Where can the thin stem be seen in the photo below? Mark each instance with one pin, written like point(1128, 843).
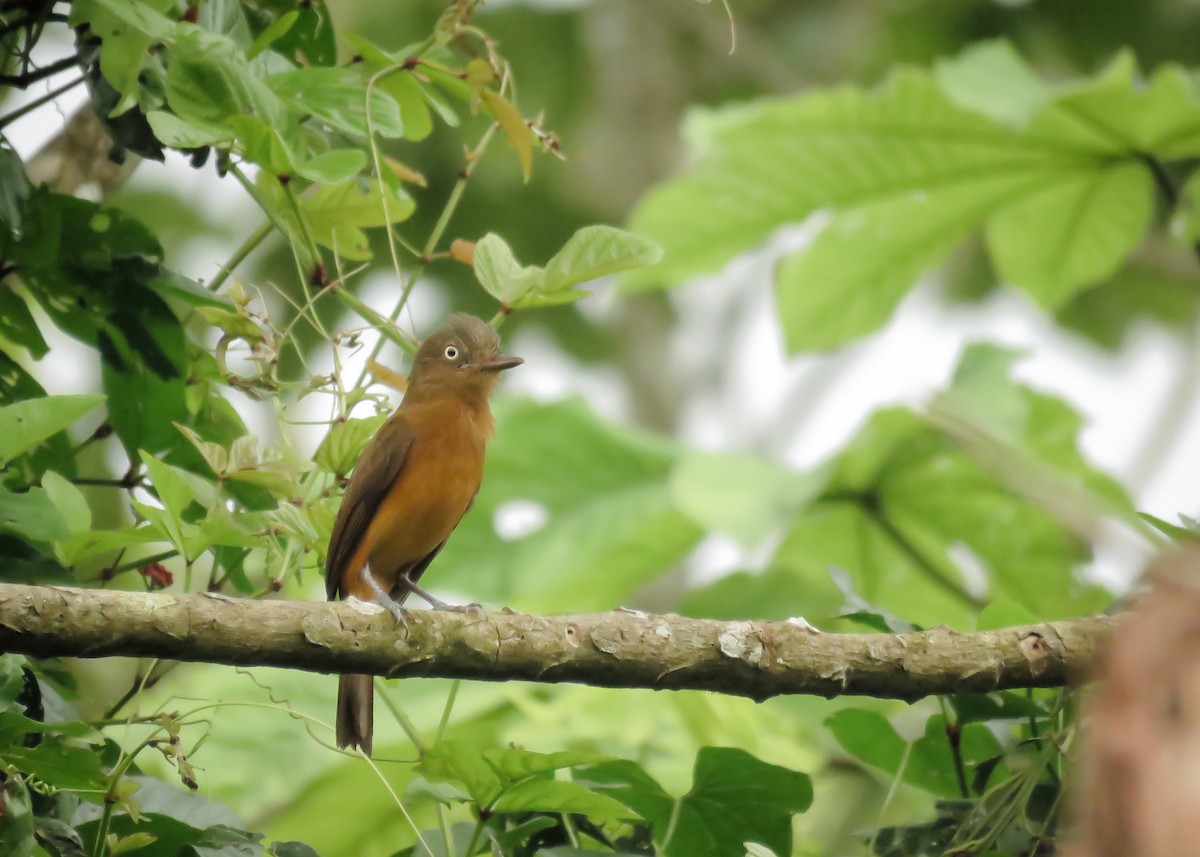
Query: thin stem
point(386, 327)
point(100, 846)
point(1165, 186)
point(101, 483)
point(444, 826)
point(439, 228)
point(456, 192)
point(13, 26)
point(141, 684)
point(255, 195)
point(453, 695)
point(310, 245)
point(239, 255)
point(954, 739)
point(8, 119)
point(407, 725)
point(924, 563)
point(138, 563)
point(475, 835)
point(24, 81)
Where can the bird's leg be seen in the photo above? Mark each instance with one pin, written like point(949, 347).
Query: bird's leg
point(381, 597)
point(410, 586)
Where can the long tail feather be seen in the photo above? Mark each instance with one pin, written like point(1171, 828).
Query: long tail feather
point(355, 711)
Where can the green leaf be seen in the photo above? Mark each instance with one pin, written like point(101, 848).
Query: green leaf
point(520, 834)
point(512, 125)
point(983, 390)
point(869, 737)
point(59, 764)
point(592, 252)
point(1036, 424)
point(1073, 232)
point(834, 292)
point(338, 97)
point(275, 31)
point(171, 836)
point(1117, 112)
point(177, 488)
point(209, 81)
point(14, 190)
point(23, 425)
point(984, 707)
point(397, 82)
point(69, 501)
point(514, 763)
point(173, 285)
point(501, 275)
point(17, 323)
point(143, 408)
point(262, 143)
point(337, 212)
point(743, 496)
point(992, 78)
point(141, 16)
point(414, 112)
point(1186, 535)
point(538, 795)
point(333, 166)
point(737, 798)
point(458, 761)
point(311, 39)
point(85, 546)
point(926, 763)
point(734, 798)
point(611, 523)
point(179, 133)
point(908, 171)
point(420, 789)
point(775, 593)
point(345, 442)
point(17, 823)
point(597, 251)
point(773, 163)
point(860, 610)
point(124, 46)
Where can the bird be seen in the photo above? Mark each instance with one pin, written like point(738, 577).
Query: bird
point(410, 488)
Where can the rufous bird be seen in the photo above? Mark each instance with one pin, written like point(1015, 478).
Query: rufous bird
point(410, 488)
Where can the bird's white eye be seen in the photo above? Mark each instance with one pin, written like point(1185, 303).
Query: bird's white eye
point(451, 352)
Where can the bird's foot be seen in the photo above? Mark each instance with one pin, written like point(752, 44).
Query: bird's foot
point(437, 603)
point(474, 608)
point(384, 600)
point(393, 607)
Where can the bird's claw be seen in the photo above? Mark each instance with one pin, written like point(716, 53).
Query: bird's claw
point(473, 608)
point(393, 607)
point(401, 619)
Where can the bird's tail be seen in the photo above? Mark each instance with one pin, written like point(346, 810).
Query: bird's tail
point(355, 711)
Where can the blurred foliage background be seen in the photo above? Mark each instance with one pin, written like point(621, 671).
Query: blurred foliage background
point(645, 451)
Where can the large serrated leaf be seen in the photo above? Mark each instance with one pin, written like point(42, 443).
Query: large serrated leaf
point(1073, 231)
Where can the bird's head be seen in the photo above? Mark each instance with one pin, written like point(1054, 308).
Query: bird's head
point(461, 358)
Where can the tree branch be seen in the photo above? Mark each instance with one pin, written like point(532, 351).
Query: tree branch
point(618, 649)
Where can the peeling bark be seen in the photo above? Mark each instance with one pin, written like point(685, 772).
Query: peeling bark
point(618, 649)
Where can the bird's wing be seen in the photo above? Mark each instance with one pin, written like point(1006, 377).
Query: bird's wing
point(377, 470)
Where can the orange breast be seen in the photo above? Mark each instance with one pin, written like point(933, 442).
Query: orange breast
point(440, 477)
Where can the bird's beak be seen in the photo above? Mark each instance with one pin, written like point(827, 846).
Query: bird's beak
point(499, 364)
